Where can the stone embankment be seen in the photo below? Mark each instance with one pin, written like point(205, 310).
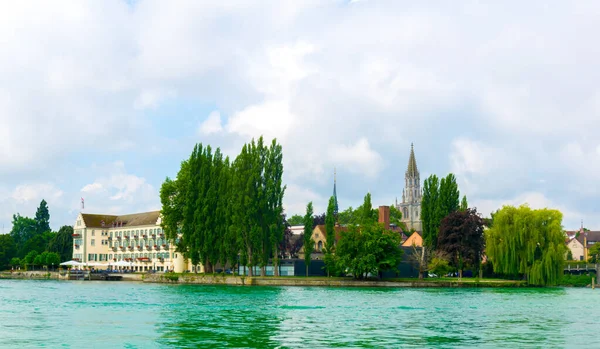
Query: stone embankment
point(27, 275)
point(201, 279)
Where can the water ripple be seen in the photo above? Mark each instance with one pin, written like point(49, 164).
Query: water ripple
point(136, 315)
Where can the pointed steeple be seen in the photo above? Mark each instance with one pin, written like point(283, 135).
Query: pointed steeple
point(335, 210)
point(412, 169)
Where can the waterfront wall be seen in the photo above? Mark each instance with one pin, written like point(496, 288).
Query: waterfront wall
point(26, 275)
point(201, 279)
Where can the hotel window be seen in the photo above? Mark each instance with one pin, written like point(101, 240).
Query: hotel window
point(93, 242)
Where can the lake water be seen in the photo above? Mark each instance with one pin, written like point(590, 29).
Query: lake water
point(91, 314)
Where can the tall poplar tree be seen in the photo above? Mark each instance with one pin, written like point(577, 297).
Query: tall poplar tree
point(330, 235)
point(463, 204)
point(275, 193)
point(309, 244)
point(429, 211)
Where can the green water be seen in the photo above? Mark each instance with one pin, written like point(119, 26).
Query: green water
point(134, 315)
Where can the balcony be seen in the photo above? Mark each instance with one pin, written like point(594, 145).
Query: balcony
point(118, 238)
point(76, 235)
point(143, 259)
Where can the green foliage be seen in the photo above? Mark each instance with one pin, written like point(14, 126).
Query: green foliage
point(440, 198)
point(52, 259)
point(8, 250)
point(296, 220)
point(527, 242)
point(15, 262)
point(223, 209)
point(42, 218)
point(396, 217)
point(463, 204)
point(23, 230)
point(62, 243)
point(30, 257)
point(368, 249)
point(348, 216)
point(449, 196)
point(569, 255)
point(461, 238)
point(439, 266)
point(330, 235)
point(593, 253)
point(429, 209)
point(309, 243)
point(367, 213)
point(575, 280)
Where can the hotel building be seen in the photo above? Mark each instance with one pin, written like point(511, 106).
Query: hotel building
point(137, 239)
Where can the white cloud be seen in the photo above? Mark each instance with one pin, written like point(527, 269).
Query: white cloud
point(36, 192)
point(92, 188)
point(212, 124)
point(272, 119)
point(357, 158)
point(119, 189)
point(474, 85)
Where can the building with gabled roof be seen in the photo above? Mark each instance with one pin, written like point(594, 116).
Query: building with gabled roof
point(101, 240)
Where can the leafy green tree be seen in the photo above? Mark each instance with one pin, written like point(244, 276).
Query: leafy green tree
point(8, 250)
point(593, 253)
point(366, 213)
point(569, 255)
point(429, 211)
point(330, 235)
point(527, 242)
point(275, 191)
point(449, 196)
point(396, 217)
point(461, 239)
point(30, 258)
point(42, 218)
point(23, 229)
point(348, 216)
point(15, 262)
point(463, 204)
point(218, 210)
point(309, 243)
point(52, 260)
point(368, 249)
point(62, 243)
point(296, 220)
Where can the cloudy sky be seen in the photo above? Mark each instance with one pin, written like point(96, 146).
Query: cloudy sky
point(103, 99)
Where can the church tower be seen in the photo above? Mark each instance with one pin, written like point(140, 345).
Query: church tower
point(411, 195)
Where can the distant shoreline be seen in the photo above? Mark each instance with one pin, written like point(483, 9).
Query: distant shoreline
point(202, 279)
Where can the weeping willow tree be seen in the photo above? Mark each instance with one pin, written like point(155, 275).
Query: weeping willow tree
point(527, 242)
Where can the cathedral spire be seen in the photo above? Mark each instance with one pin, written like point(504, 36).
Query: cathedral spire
point(412, 169)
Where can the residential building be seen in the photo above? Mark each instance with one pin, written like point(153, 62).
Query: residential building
point(414, 240)
point(137, 238)
point(576, 248)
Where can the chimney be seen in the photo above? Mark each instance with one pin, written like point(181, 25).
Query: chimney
point(384, 216)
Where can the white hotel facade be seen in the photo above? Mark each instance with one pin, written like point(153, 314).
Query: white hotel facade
point(134, 238)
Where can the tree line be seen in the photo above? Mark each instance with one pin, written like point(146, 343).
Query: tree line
point(31, 242)
point(519, 242)
point(365, 247)
point(225, 209)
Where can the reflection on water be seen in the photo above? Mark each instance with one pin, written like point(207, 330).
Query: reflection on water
point(101, 314)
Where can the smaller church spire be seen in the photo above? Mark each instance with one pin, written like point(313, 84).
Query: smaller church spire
point(335, 208)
